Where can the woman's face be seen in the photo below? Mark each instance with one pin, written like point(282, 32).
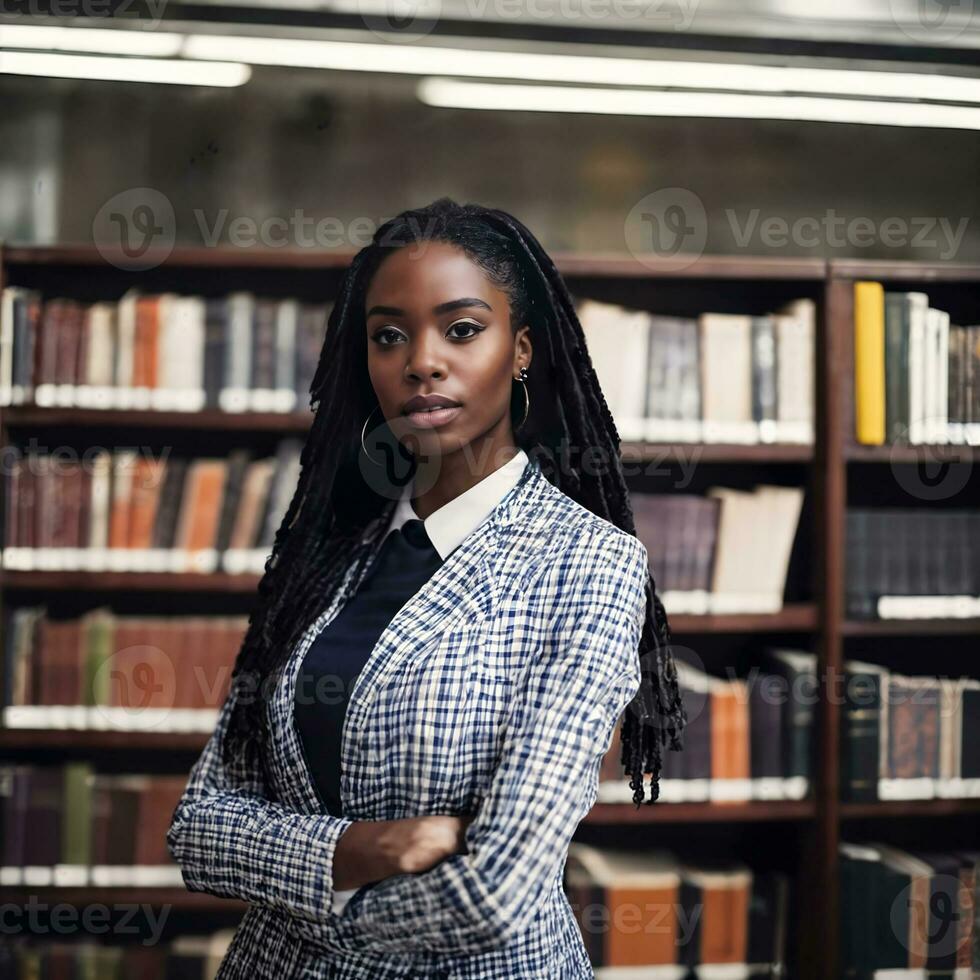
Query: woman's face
point(436, 326)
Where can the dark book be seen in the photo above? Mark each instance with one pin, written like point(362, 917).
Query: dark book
point(860, 877)
point(238, 460)
point(697, 733)
point(42, 818)
point(798, 669)
point(263, 361)
point(171, 494)
point(897, 328)
point(765, 729)
point(970, 762)
point(124, 813)
point(215, 334)
point(14, 797)
point(691, 905)
point(310, 332)
point(861, 718)
point(858, 565)
point(768, 915)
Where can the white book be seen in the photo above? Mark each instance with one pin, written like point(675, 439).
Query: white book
point(918, 367)
point(929, 368)
point(11, 877)
point(70, 875)
point(603, 340)
point(928, 607)
point(633, 338)
point(740, 581)
point(7, 298)
point(726, 378)
point(779, 508)
point(186, 354)
point(949, 782)
point(99, 381)
point(37, 876)
point(941, 434)
point(125, 348)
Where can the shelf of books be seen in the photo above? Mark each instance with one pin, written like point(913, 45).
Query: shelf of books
point(152, 423)
point(904, 614)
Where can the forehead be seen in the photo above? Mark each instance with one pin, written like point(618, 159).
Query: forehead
point(424, 274)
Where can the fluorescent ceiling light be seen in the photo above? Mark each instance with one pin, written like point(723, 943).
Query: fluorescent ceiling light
point(173, 72)
point(445, 92)
point(98, 40)
point(477, 62)
point(581, 69)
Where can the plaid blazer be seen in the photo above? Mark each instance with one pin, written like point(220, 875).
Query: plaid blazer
point(495, 690)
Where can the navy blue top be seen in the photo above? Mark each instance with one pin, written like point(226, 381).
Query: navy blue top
point(405, 562)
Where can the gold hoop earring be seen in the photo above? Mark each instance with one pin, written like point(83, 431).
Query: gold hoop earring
point(363, 430)
point(527, 397)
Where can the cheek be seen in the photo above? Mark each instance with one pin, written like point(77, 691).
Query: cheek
point(385, 375)
point(488, 385)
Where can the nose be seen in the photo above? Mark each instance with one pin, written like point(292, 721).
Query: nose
point(425, 359)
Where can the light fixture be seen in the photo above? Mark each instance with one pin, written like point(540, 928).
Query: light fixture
point(447, 92)
point(470, 62)
point(785, 91)
point(94, 40)
point(169, 71)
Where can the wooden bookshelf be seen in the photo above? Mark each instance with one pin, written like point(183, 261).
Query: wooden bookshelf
point(177, 899)
point(244, 584)
point(35, 417)
point(910, 808)
point(946, 453)
point(837, 451)
point(615, 814)
point(792, 618)
point(29, 741)
point(807, 832)
point(910, 627)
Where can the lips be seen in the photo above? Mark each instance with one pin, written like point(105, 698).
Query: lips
point(428, 403)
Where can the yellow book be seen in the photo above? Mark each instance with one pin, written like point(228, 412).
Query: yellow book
point(869, 363)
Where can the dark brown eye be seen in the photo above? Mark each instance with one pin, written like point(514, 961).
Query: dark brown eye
point(389, 332)
point(474, 327)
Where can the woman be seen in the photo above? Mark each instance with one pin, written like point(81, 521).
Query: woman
point(483, 619)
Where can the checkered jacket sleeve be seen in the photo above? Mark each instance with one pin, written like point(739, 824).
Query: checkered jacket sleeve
point(585, 673)
point(230, 841)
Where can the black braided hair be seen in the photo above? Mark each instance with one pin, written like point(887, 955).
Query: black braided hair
point(325, 536)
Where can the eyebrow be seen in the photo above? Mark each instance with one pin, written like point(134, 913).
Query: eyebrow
point(453, 304)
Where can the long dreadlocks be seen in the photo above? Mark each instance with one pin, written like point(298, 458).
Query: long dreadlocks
point(320, 545)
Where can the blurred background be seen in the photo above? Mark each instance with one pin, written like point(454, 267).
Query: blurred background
point(767, 215)
point(398, 106)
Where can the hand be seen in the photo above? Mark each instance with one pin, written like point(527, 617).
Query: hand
point(369, 850)
point(431, 839)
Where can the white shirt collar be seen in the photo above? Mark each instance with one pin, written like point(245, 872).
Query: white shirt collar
point(453, 521)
